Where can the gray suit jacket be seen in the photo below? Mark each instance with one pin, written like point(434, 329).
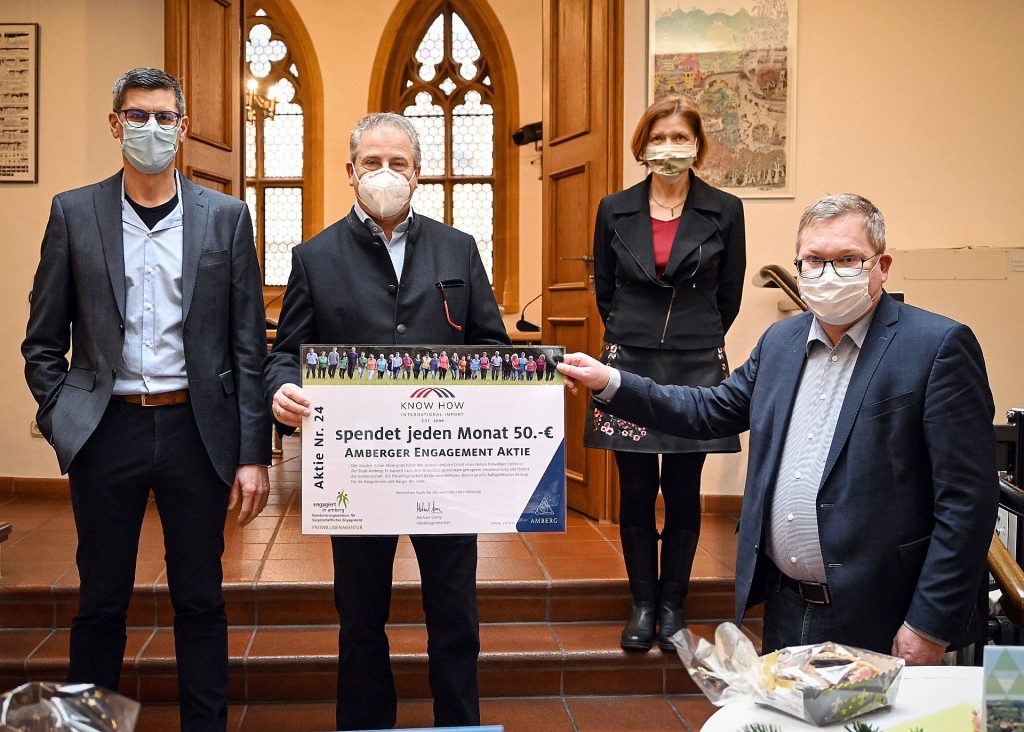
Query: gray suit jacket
point(78, 300)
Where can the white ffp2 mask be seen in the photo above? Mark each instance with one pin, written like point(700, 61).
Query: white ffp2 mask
point(383, 191)
point(837, 300)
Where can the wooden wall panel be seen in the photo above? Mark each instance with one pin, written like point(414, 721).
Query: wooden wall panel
point(211, 96)
point(202, 47)
point(571, 225)
point(573, 333)
point(208, 179)
point(571, 69)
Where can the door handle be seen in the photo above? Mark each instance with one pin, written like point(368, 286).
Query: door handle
point(588, 260)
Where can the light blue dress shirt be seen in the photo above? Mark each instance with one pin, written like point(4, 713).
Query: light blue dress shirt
point(793, 542)
point(396, 245)
point(153, 356)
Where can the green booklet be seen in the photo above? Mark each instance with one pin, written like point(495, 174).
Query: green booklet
point(1004, 688)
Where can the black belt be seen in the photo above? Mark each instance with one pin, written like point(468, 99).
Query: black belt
point(812, 592)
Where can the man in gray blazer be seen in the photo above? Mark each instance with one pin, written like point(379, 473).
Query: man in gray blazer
point(154, 284)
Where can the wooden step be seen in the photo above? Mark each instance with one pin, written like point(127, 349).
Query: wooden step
point(551, 606)
point(298, 663)
point(312, 603)
point(684, 713)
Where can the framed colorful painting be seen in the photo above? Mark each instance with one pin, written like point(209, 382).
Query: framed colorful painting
point(736, 60)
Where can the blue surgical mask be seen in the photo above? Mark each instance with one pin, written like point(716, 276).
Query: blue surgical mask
point(150, 148)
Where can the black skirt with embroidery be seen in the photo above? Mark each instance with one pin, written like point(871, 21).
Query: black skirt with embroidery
point(691, 367)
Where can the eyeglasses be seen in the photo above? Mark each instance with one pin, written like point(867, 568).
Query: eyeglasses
point(812, 268)
point(370, 164)
point(140, 117)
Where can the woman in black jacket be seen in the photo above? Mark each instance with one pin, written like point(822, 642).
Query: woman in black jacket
point(669, 257)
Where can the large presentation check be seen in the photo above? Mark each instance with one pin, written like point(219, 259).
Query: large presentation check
point(432, 439)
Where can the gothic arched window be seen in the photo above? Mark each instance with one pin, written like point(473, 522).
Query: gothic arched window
point(283, 168)
point(450, 72)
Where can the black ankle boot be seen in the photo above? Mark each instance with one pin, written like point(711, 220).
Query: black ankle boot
point(638, 635)
point(677, 552)
point(670, 622)
point(640, 552)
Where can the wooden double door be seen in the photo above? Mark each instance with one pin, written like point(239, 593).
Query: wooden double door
point(582, 164)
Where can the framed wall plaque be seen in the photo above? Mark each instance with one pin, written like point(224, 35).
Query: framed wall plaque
point(19, 102)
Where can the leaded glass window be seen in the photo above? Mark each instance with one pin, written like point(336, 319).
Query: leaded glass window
point(448, 95)
point(274, 145)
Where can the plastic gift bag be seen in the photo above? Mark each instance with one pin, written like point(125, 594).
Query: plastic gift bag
point(42, 707)
point(820, 683)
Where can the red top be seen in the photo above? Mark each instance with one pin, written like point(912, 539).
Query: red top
point(663, 233)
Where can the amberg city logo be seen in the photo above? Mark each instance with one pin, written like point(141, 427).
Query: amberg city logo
point(428, 390)
point(343, 499)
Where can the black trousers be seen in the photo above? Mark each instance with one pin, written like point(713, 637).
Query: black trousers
point(362, 594)
point(136, 449)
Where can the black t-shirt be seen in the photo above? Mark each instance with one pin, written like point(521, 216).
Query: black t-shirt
point(153, 216)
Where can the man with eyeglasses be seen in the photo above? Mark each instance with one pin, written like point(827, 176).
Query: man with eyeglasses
point(419, 282)
point(153, 283)
point(871, 488)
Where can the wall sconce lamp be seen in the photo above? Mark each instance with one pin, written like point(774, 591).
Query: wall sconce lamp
point(254, 102)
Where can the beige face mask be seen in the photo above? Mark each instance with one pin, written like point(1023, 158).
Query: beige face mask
point(670, 161)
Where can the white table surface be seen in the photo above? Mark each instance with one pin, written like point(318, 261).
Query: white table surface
point(923, 690)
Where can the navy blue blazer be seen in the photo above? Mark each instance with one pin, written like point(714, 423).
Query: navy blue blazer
point(908, 498)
